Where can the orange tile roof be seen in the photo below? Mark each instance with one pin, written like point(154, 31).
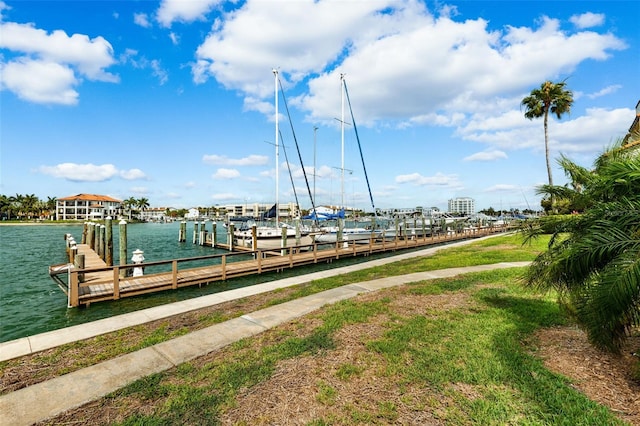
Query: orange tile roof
point(90, 197)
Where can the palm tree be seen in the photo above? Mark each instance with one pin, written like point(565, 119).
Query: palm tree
point(30, 204)
point(550, 97)
point(129, 204)
point(51, 205)
point(142, 204)
point(17, 204)
point(593, 258)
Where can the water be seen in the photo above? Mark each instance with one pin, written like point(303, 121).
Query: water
point(31, 302)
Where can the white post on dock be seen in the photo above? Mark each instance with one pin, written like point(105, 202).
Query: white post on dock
point(138, 258)
point(203, 233)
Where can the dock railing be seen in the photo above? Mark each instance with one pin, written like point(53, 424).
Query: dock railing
point(107, 283)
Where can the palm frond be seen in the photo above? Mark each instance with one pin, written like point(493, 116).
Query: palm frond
point(610, 306)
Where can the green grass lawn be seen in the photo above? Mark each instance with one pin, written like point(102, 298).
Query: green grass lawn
point(457, 351)
point(473, 363)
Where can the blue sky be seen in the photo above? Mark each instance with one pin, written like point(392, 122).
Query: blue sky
point(174, 100)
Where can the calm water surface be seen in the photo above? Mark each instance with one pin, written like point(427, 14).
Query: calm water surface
point(31, 302)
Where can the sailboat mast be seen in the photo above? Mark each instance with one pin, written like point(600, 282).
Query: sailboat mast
point(342, 137)
point(275, 73)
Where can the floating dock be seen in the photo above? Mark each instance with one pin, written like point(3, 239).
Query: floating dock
point(97, 281)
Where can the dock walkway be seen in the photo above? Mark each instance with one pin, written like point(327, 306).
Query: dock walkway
point(99, 282)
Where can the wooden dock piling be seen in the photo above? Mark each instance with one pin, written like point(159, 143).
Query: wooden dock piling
point(109, 241)
point(96, 281)
point(182, 236)
point(123, 246)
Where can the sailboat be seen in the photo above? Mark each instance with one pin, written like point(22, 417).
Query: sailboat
point(339, 232)
point(270, 235)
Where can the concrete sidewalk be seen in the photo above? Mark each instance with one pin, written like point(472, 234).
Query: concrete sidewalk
point(40, 342)
point(44, 400)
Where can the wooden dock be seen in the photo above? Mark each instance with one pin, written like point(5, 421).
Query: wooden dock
point(99, 282)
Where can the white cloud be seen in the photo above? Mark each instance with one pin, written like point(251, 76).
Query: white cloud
point(89, 172)
point(486, 156)
point(3, 7)
point(131, 56)
point(132, 174)
point(175, 39)
point(470, 66)
point(226, 174)
point(588, 133)
point(439, 179)
point(184, 11)
point(251, 160)
point(45, 66)
point(159, 72)
point(81, 172)
point(141, 19)
point(587, 20)
point(605, 91)
point(39, 81)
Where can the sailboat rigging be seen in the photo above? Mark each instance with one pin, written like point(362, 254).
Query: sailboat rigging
point(274, 232)
point(340, 233)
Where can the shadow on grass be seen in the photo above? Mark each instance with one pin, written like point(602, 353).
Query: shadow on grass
point(550, 395)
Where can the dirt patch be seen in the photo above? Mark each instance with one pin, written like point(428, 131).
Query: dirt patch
point(604, 377)
point(343, 384)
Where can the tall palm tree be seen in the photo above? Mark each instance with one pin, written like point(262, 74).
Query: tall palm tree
point(550, 97)
point(142, 203)
point(30, 204)
point(129, 204)
point(593, 259)
point(51, 205)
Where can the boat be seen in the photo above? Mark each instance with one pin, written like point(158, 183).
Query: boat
point(269, 233)
point(332, 234)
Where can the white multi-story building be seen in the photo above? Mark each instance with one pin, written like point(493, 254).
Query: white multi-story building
point(462, 205)
point(87, 207)
point(256, 210)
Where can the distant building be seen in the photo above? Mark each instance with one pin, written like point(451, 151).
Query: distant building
point(256, 210)
point(192, 214)
point(155, 214)
point(462, 205)
point(87, 207)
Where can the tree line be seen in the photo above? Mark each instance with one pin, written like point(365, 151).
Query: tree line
point(27, 206)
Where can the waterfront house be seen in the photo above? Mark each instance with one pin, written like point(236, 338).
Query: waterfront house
point(87, 207)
